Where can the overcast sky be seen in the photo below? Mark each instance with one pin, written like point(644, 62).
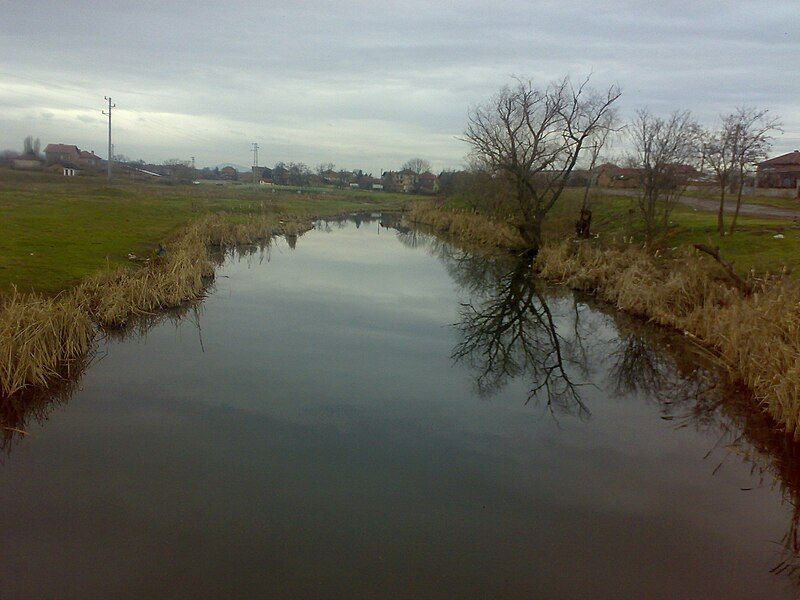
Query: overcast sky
point(367, 84)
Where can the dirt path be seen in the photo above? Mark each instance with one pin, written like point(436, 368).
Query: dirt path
point(711, 205)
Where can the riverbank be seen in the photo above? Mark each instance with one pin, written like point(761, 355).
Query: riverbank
point(46, 333)
point(56, 231)
point(756, 336)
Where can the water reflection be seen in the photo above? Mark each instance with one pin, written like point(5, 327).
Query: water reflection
point(512, 328)
point(509, 331)
point(515, 328)
point(35, 404)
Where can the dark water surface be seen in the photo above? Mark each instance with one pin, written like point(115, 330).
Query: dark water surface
point(319, 428)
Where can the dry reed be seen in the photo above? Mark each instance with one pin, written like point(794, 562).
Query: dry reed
point(40, 338)
point(756, 336)
point(467, 226)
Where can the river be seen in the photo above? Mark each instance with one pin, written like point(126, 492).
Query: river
point(376, 413)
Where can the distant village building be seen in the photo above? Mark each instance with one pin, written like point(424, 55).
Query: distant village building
point(407, 181)
point(69, 153)
point(330, 177)
point(428, 183)
point(779, 172)
point(609, 175)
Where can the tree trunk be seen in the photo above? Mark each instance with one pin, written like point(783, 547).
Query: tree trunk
point(738, 204)
point(720, 214)
point(531, 234)
point(584, 224)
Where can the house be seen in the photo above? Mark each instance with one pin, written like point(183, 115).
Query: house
point(69, 153)
point(60, 153)
point(408, 181)
point(400, 181)
point(391, 181)
point(87, 158)
point(367, 182)
point(330, 177)
point(427, 183)
point(606, 174)
point(779, 172)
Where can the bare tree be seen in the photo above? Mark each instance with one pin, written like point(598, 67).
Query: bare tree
point(324, 167)
point(721, 152)
point(754, 129)
point(533, 137)
point(742, 138)
point(31, 146)
point(417, 165)
point(298, 174)
point(662, 148)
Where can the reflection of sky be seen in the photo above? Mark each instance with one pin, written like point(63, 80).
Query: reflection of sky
point(324, 444)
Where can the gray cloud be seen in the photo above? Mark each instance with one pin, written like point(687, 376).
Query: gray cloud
point(365, 85)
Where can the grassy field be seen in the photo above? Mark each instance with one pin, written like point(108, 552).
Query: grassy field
point(54, 232)
point(753, 245)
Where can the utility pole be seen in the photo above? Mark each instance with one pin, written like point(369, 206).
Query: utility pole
point(255, 163)
point(110, 149)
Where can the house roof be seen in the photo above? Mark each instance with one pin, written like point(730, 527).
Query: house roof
point(683, 169)
point(791, 158)
point(427, 175)
point(62, 148)
point(606, 167)
point(88, 154)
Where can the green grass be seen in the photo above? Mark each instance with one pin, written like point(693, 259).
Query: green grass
point(751, 247)
point(54, 232)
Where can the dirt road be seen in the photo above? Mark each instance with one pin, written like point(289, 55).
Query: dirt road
point(711, 205)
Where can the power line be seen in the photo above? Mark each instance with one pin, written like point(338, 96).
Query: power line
point(110, 149)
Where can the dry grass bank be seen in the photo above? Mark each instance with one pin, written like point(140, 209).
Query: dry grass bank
point(113, 296)
point(41, 338)
point(467, 226)
point(756, 336)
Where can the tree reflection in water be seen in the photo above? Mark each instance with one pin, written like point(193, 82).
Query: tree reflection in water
point(508, 330)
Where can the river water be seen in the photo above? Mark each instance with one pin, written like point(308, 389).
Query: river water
point(375, 413)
